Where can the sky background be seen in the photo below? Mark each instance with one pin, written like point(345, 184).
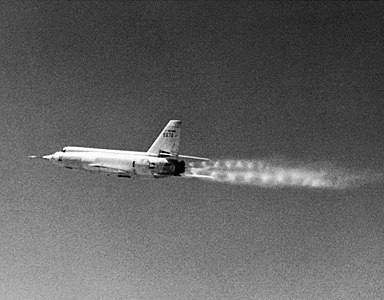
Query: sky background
point(301, 81)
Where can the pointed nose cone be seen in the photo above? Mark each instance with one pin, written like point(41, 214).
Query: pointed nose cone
point(48, 157)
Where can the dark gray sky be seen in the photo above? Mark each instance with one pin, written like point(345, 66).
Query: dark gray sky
point(297, 80)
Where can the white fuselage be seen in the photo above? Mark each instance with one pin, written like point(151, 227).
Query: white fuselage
point(117, 162)
point(161, 160)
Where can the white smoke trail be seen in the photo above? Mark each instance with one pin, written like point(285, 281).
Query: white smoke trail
point(276, 174)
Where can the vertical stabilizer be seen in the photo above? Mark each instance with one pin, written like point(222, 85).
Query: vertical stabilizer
point(168, 142)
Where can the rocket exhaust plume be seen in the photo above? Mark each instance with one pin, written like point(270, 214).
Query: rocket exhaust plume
point(269, 173)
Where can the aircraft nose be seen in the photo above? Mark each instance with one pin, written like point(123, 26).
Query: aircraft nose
point(49, 157)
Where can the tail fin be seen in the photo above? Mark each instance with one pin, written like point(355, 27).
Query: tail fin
point(168, 142)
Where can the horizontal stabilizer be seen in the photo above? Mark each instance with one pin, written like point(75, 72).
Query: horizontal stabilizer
point(197, 176)
point(193, 157)
point(170, 156)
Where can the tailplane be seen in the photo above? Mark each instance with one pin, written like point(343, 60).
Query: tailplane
point(168, 142)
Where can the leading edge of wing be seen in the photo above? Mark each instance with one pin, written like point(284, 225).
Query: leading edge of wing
point(108, 168)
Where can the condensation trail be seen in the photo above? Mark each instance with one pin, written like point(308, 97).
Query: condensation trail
point(266, 173)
